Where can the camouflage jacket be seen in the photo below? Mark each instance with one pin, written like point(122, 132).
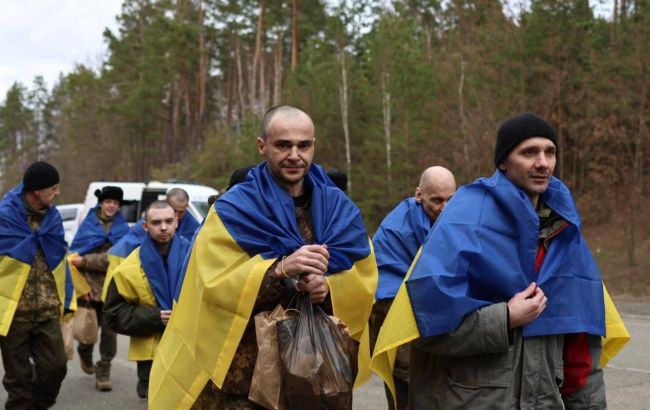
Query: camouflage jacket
point(39, 300)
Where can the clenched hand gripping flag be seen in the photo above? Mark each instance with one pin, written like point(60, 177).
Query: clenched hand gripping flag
point(481, 251)
point(246, 230)
point(18, 247)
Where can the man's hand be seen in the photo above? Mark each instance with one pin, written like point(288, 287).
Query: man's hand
point(88, 297)
point(164, 316)
point(526, 305)
point(77, 262)
point(316, 286)
point(309, 259)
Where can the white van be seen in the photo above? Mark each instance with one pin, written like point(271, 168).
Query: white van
point(138, 196)
point(71, 216)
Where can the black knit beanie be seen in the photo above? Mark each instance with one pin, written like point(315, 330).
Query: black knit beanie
point(40, 175)
point(110, 192)
point(518, 128)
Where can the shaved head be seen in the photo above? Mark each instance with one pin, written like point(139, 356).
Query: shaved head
point(286, 111)
point(437, 186)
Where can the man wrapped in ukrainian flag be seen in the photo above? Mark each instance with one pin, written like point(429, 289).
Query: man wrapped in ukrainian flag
point(287, 220)
point(34, 289)
point(504, 303)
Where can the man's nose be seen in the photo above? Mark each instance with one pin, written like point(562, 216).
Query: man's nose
point(541, 161)
point(293, 153)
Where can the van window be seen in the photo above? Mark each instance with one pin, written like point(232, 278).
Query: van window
point(68, 214)
point(129, 210)
point(202, 207)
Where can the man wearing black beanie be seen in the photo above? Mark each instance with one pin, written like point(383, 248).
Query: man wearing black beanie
point(511, 310)
point(32, 251)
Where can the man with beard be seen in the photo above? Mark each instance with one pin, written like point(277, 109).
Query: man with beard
point(103, 227)
point(141, 293)
point(286, 221)
point(32, 289)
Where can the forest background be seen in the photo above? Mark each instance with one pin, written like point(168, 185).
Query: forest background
point(393, 87)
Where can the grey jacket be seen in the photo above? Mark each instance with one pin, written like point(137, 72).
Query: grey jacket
point(483, 365)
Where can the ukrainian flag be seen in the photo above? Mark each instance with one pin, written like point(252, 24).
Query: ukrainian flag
point(476, 256)
point(89, 237)
point(18, 247)
point(247, 229)
point(121, 250)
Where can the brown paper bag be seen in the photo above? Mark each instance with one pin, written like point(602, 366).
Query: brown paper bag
point(85, 329)
point(266, 385)
point(68, 339)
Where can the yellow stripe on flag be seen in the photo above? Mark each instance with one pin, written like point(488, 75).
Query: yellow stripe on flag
point(79, 281)
point(617, 335)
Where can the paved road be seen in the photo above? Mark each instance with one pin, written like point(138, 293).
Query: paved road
point(627, 378)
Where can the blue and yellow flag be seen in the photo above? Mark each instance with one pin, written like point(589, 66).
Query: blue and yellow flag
point(89, 237)
point(164, 275)
point(479, 255)
point(396, 242)
point(246, 230)
point(18, 247)
point(187, 226)
point(123, 248)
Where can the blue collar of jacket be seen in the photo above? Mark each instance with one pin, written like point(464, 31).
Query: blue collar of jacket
point(91, 234)
point(396, 242)
point(482, 251)
point(18, 241)
point(164, 277)
point(260, 216)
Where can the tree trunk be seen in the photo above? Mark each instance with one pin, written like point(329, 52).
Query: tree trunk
point(254, 101)
point(461, 111)
point(343, 97)
point(277, 72)
point(385, 84)
point(202, 83)
point(294, 37)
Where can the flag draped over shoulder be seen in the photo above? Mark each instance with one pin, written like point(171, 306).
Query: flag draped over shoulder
point(246, 230)
point(482, 251)
point(396, 242)
point(118, 252)
point(187, 226)
point(89, 237)
point(18, 247)
point(163, 276)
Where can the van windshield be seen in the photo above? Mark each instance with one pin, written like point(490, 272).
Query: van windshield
point(202, 207)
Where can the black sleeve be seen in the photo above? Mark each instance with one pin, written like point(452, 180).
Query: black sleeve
point(127, 319)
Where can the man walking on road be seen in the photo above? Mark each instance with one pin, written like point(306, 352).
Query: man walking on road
point(142, 291)
point(32, 290)
point(286, 221)
point(506, 298)
point(103, 227)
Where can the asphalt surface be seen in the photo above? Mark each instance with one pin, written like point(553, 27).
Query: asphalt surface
point(627, 377)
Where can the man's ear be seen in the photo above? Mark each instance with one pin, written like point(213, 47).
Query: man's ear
point(261, 146)
point(418, 195)
point(501, 167)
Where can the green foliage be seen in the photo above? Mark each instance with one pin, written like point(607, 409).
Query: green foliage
point(184, 85)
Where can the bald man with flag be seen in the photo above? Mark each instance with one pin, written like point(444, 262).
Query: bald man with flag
point(286, 221)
